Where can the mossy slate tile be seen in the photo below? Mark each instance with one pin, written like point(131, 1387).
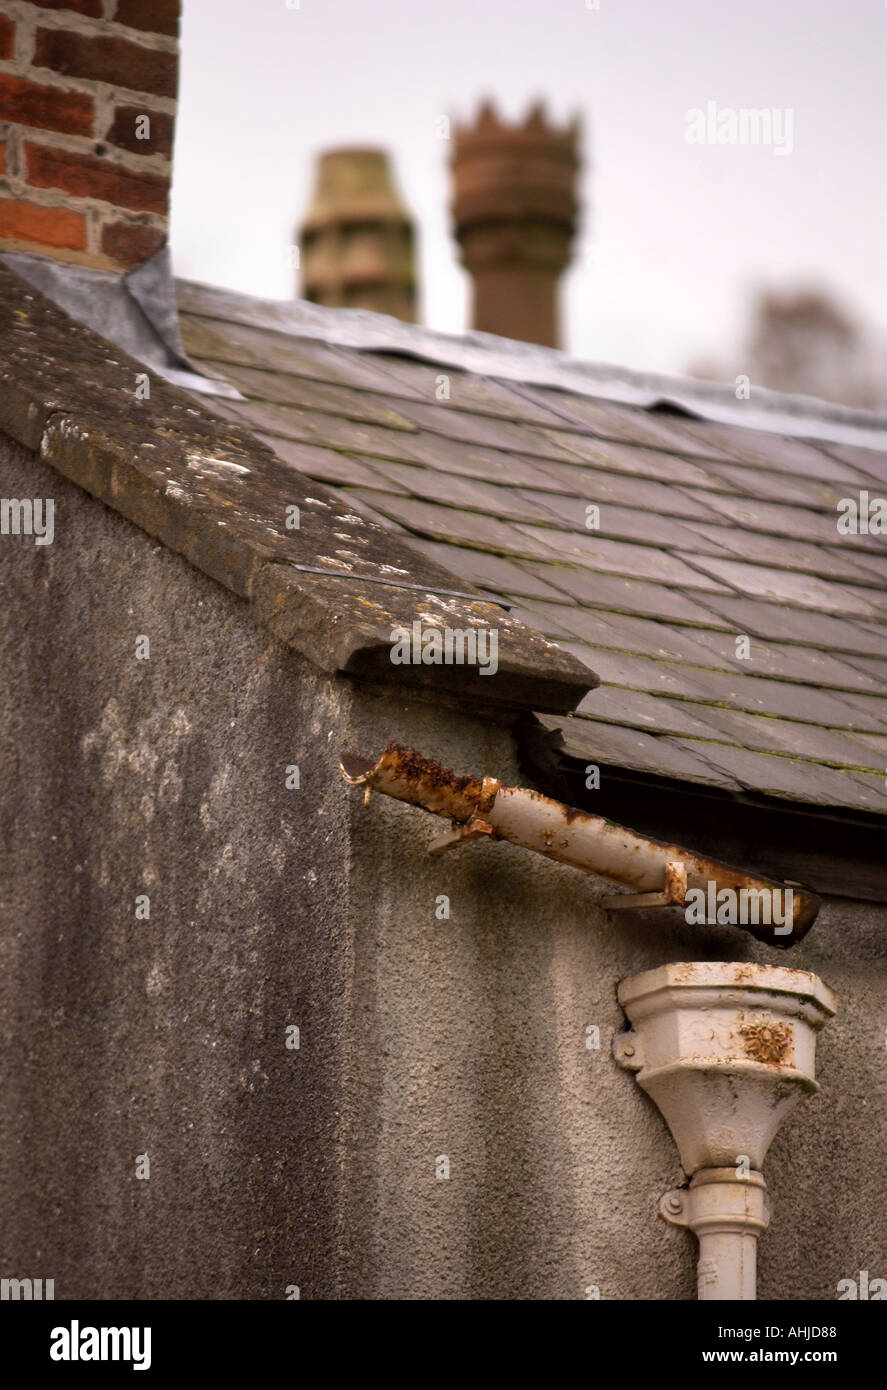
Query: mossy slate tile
point(622, 557)
point(655, 713)
point(795, 778)
point(764, 734)
point(608, 743)
point(797, 625)
point(786, 586)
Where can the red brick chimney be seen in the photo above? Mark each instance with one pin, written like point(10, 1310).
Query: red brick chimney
point(87, 109)
point(356, 239)
point(515, 212)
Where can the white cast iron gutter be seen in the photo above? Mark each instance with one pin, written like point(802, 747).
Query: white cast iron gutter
point(659, 873)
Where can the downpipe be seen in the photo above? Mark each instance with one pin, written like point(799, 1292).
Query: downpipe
point(726, 1051)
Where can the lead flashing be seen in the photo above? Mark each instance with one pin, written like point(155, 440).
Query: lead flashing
point(802, 417)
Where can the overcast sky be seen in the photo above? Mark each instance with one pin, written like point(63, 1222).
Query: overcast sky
point(675, 233)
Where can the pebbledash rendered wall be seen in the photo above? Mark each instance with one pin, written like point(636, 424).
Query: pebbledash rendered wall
point(421, 1039)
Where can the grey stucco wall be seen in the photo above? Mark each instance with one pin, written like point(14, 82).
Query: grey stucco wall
point(420, 1037)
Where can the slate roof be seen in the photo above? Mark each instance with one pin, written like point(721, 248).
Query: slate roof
point(214, 493)
point(708, 531)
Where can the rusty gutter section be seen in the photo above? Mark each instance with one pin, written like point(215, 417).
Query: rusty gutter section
point(658, 873)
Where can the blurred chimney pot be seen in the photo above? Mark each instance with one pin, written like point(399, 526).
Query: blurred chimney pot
point(356, 239)
point(515, 213)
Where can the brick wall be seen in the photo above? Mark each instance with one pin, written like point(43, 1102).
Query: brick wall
point(87, 110)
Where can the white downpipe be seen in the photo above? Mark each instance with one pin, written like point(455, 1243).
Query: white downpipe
point(727, 1213)
point(726, 1050)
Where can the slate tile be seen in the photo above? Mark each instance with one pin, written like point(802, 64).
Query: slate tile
point(468, 392)
point(873, 667)
point(582, 624)
point(875, 598)
point(282, 352)
point(774, 518)
point(773, 451)
point(833, 709)
point(707, 531)
point(326, 465)
point(640, 636)
point(868, 463)
point(207, 340)
point(281, 388)
point(641, 673)
point(623, 423)
point(627, 458)
point(785, 586)
point(487, 571)
point(467, 460)
point(577, 481)
point(790, 488)
point(641, 752)
point(619, 557)
point(598, 590)
point(480, 429)
point(794, 778)
point(736, 690)
point(764, 734)
point(546, 619)
point(873, 566)
point(780, 552)
point(455, 525)
point(636, 709)
point(615, 522)
point(675, 432)
point(586, 413)
point(831, 671)
point(805, 627)
point(506, 503)
point(332, 431)
point(360, 502)
point(876, 635)
point(217, 405)
point(872, 709)
point(877, 742)
point(782, 661)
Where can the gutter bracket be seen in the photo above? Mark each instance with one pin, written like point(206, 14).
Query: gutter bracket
point(628, 1050)
point(673, 1207)
point(673, 894)
point(473, 829)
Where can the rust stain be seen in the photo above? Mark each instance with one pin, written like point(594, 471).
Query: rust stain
point(769, 1043)
point(414, 768)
